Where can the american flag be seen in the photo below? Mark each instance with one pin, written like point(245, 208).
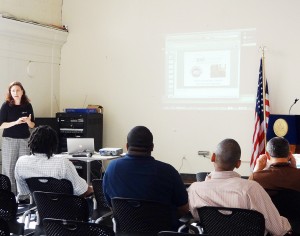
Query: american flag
point(261, 122)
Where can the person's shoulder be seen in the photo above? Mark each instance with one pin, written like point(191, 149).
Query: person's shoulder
point(114, 162)
point(249, 183)
point(4, 105)
point(28, 105)
point(165, 165)
point(23, 159)
point(262, 173)
point(59, 157)
point(197, 184)
point(297, 170)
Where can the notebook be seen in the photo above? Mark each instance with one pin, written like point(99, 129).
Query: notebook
point(80, 145)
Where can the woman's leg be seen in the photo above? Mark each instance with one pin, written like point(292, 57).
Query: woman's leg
point(10, 154)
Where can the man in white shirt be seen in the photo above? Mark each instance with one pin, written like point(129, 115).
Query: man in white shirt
point(42, 162)
point(225, 187)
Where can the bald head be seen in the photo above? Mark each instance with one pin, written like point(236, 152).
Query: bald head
point(227, 155)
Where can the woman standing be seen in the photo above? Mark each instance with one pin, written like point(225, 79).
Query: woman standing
point(16, 117)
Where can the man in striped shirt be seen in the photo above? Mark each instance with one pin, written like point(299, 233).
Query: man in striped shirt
point(225, 187)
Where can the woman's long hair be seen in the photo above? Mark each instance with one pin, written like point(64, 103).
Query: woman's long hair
point(10, 100)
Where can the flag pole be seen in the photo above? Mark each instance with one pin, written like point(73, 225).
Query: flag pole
point(264, 94)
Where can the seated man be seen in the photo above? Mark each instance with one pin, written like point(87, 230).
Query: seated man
point(42, 162)
point(224, 187)
point(138, 175)
point(276, 169)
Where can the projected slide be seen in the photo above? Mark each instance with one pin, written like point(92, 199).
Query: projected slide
point(204, 69)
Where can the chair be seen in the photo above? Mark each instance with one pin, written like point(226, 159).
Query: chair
point(46, 184)
point(200, 176)
point(55, 227)
point(231, 221)
point(102, 208)
point(140, 217)
point(4, 228)
point(49, 184)
point(60, 206)
point(8, 212)
point(245, 177)
point(5, 182)
point(287, 203)
point(173, 233)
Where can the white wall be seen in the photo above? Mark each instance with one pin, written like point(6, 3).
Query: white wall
point(31, 54)
point(41, 11)
point(115, 57)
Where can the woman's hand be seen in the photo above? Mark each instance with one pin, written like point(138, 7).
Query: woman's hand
point(27, 119)
point(21, 120)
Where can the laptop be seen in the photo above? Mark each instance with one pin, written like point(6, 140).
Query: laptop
point(80, 145)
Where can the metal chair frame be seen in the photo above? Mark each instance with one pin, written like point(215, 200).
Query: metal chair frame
point(102, 210)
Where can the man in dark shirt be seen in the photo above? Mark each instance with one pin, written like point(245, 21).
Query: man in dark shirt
point(138, 175)
point(276, 169)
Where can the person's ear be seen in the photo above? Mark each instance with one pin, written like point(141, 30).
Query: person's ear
point(127, 146)
point(268, 156)
point(213, 158)
point(152, 147)
point(238, 164)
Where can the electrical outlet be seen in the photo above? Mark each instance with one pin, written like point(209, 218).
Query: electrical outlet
point(203, 153)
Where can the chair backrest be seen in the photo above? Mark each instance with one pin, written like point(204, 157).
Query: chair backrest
point(173, 233)
point(8, 211)
point(200, 176)
point(8, 205)
point(61, 206)
point(5, 182)
point(4, 228)
point(231, 221)
point(54, 227)
point(49, 184)
point(102, 205)
point(140, 217)
point(287, 203)
point(245, 177)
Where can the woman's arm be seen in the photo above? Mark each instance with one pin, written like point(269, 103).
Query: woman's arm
point(6, 125)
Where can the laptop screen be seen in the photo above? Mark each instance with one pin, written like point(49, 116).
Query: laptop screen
point(78, 145)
